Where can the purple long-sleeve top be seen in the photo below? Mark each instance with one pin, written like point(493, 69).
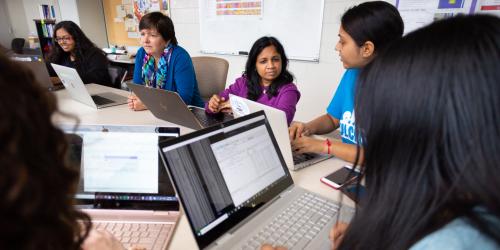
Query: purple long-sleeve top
point(286, 100)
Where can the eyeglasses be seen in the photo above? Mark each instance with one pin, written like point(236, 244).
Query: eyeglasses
point(63, 39)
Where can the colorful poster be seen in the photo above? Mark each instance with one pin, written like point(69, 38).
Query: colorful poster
point(238, 8)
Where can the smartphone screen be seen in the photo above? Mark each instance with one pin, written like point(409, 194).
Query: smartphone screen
point(340, 177)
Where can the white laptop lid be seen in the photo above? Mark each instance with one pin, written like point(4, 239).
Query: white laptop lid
point(277, 119)
point(73, 84)
point(121, 167)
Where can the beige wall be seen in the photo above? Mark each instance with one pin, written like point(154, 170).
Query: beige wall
point(92, 21)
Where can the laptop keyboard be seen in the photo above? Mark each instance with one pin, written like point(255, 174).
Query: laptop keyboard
point(297, 225)
point(99, 100)
point(299, 158)
point(149, 235)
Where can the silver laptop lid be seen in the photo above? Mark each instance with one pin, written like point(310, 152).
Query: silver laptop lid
point(224, 173)
point(121, 167)
point(166, 105)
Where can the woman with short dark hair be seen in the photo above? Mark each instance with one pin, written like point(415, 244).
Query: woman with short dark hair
point(162, 63)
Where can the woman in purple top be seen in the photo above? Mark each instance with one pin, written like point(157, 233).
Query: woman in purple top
point(266, 80)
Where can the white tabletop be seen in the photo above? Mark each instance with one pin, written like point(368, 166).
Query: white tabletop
point(307, 178)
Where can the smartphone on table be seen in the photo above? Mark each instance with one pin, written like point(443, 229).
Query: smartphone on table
point(341, 177)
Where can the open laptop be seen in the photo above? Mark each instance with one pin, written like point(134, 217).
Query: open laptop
point(124, 186)
point(169, 106)
point(237, 192)
point(74, 84)
point(39, 69)
point(277, 118)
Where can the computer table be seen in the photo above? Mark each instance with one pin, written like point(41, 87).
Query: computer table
point(307, 178)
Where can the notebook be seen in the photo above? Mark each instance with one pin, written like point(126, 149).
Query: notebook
point(124, 186)
point(237, 192)
point(277, 118)
point(39, 69)
point(74, 85)
point(169, 106)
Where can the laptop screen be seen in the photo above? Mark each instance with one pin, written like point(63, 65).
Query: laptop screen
point(225, 173)
point(121, 167)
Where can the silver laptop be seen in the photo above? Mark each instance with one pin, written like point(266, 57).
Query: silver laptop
point(39, 69)
point(169, 106)
point(74, 85)
point(237, 192)
point(277, 118)
point(124, 186)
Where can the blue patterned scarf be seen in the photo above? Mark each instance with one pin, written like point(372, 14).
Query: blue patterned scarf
point(156, 79)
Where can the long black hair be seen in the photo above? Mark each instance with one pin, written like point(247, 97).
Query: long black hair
point(378, 22)
point(427, 111)
point(163, 24)
point(37, 182)
point(82, 44)
point(253, 78)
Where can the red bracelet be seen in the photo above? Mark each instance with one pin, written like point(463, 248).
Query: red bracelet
point(328, 144)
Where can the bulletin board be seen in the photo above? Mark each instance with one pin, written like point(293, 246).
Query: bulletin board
point(123, 16)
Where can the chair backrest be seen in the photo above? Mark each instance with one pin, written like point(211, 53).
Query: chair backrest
point(116, 74)
point(17, 45)
point(211, 74)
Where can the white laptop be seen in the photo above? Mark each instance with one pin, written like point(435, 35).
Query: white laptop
point(277, 118)
point(74, 85)
point(237, 192)
point(124, 186)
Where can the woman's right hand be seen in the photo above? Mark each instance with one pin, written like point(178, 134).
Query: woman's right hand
point(298, 129)
point(101, 239)
point(134, 103)
point(215, 102)
point(337, 234)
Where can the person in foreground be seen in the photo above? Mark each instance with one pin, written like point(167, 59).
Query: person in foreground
point(365, 31)
point(75, 50)
point(162, 63)
point(266, 80)
point(37, 183)
point(430, 130)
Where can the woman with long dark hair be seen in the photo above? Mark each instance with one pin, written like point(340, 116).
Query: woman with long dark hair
point(75, 50)
point(266, 80)
point(365, 31)
point(427, 110)
point(37, 182)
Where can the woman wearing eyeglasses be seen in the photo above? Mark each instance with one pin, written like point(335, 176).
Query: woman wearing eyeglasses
point(74, 49)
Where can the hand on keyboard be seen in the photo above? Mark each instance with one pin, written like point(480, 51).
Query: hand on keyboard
point(337, 234)
point(307, 144)
point(269, 247)
point(101, 239)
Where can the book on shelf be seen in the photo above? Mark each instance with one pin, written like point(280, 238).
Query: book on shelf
point(46, 11)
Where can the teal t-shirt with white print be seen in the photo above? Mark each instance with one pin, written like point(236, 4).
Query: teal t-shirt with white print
point(342, 105)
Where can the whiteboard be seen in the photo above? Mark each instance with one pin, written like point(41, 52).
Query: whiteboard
point(297, 24)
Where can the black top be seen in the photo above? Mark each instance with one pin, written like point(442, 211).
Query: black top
point(92, 68)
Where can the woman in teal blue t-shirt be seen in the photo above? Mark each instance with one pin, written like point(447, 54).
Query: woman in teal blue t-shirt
point(161, 63)
point(365, 30)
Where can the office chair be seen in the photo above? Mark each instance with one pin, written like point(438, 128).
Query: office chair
point(117, 75)
point(17, 45)
point(211, 74)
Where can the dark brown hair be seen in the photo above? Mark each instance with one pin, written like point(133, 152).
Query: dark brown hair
point(37, 183)
point(163, 24)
